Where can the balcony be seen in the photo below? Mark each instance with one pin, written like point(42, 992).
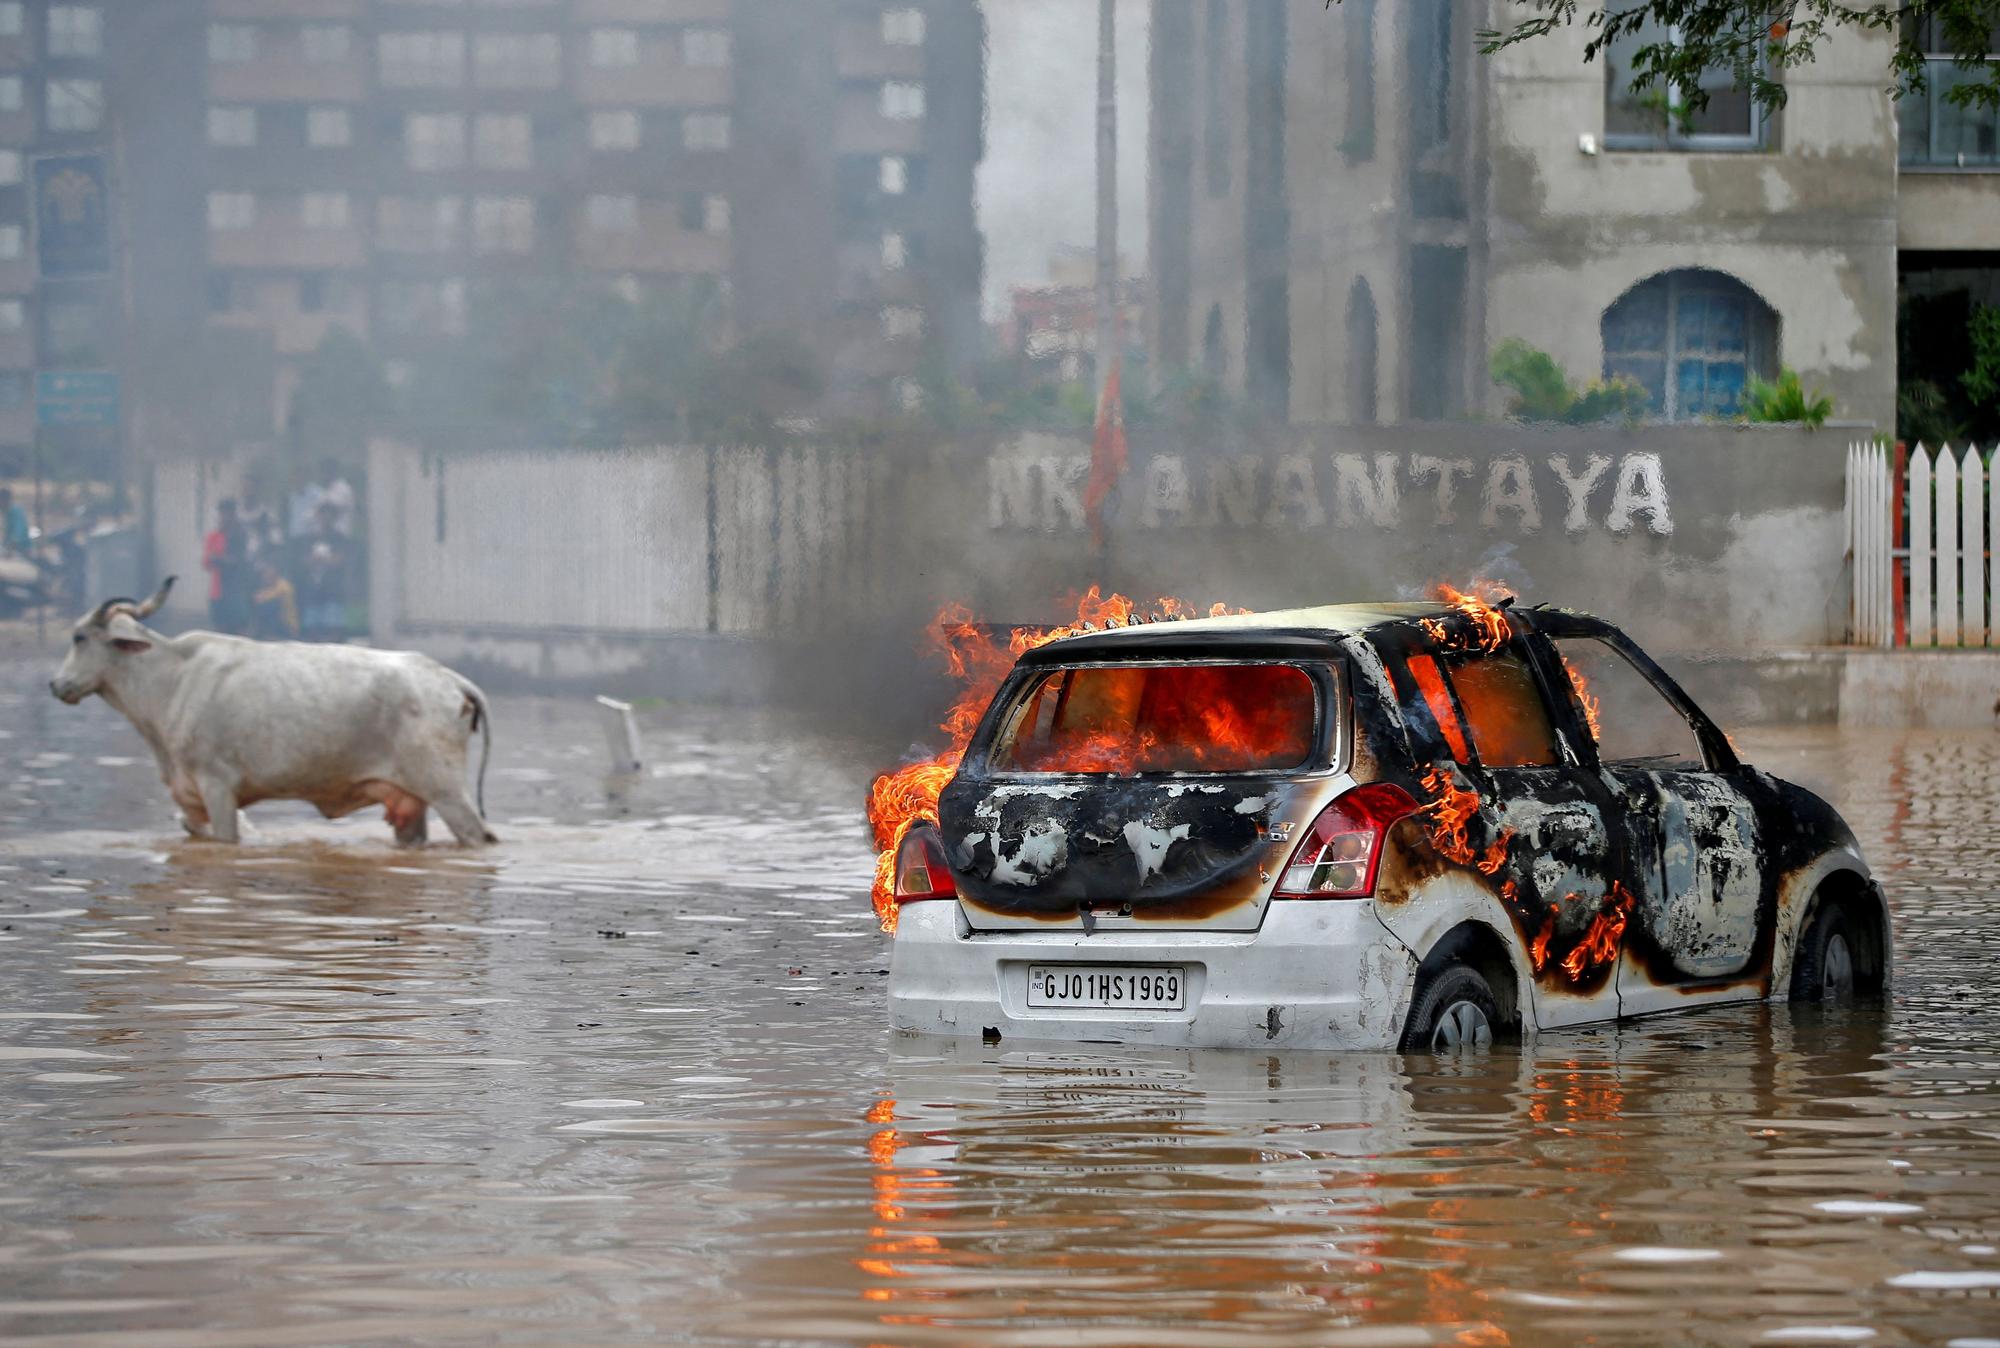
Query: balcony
point(1937, 135)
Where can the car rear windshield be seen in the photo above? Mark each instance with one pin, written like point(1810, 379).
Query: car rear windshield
point(1123, 719)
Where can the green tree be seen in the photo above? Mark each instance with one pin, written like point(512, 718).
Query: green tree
point(1757, 40)
point(1542, 390)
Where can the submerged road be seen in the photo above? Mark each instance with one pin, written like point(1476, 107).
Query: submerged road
point(625, 1079)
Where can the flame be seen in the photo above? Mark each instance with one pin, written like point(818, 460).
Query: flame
point(1484, 624)
point(1600, 940)
point(900, 800)
point(1538, 949)
point(1584, 697)
point(1452, 808)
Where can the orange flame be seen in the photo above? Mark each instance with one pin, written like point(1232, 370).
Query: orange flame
point(1584, 697)
point(1600, 940)
point(1485, 627)
point(900, 800)
point(1452, 808)
point(1538, 949)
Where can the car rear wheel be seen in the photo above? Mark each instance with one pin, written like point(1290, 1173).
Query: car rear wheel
point(1454, 1012)
point(1825, 969)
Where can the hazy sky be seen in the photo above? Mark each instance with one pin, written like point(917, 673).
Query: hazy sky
point(1036, 186)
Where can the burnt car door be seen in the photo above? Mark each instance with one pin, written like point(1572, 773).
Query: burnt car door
point(1512, 816)
point(1697, 929)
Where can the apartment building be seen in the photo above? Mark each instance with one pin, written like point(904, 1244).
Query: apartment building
point(1351, 208)
point(270, 170)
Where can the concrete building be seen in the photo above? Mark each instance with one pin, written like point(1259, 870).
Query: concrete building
point(278, 169)
point(1352, 207)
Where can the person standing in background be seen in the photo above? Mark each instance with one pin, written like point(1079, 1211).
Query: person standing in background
point(323, 578)
point(225, 555)
point(274, 609)
point(16, 535)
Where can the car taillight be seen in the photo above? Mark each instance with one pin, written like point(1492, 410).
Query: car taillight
point(1338, 856)
point(920, 869)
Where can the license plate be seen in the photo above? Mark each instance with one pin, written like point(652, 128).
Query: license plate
point(1156, 987)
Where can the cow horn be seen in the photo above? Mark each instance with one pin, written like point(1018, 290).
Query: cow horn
point(102, 614)
point(152, 606)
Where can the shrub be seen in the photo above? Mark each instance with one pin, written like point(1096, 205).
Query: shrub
point(1785, 400)
point(1542, 391)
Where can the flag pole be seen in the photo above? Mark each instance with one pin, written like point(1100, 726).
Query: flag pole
point(1106, 361)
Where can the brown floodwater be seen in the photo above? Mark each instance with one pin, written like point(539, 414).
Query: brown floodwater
point(625, 1078)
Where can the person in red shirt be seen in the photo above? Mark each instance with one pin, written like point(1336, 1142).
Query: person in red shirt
point(225, 554)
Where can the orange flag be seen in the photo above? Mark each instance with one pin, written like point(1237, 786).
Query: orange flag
point(1107, 452)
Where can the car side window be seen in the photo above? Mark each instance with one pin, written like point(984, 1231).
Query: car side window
point(1504, 711)
point(1428, 675)
point(1627, 716)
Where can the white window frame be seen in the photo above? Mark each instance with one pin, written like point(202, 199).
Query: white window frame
point(11, 167)
point(78, 95)
point(75, 30)
point(517, 60)
point(902, 321)
point(13, 93)
point(612, 48)
point(13, 18)
point(715, 218)
point(611, 212)
point(232, 125)
point(325, 210)
point(1670, 141)
point(616, 129)
point(903, 26)
point(320, 121)
point(420, 59)
point(425, 149)
point(895, 251)
point(706, 48)
point(13, 315)
point(13, 243)
point(705, 132)
point(902, 100)
point(229, 211)
point(503, 225)
point(893, 175)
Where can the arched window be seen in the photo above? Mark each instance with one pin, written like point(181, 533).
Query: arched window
point(1692, 338)
point(1360, 354)
point(1214, 362)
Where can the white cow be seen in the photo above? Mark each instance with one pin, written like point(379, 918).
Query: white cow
point(233, 722)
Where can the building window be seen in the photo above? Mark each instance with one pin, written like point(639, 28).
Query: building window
point(903, 101)
point(614, 47)
point(715, 214)
point(1361, 355)
point(11, 18)
point(231, 210)
point(325, 43)
point(895, 252)
point(232, 126)
point(705, 47)
point(1691, 338)
point(617, 129)
point(421, 60)
point(418, 224)
point(13, 315)
point(503, 224)
point(1660, 118)
point(434, 140)
point(76, 30)
point(324, 210)
point(609, 213)
point(705, 131)
point(329, 128)
point(517, 61)
point(503, 140)
point(10, 93)
point(902, 320)
point(11, 243)
point(894, 176)
point(10, 167)
point(903, 27)
point(232, 42)
point(75, 105)
point(1934, 133)
point(74, 332)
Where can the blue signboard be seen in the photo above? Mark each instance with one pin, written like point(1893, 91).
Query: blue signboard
point(72, 215)
point(76, 398)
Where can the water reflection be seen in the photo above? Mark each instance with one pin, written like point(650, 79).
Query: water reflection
point(625, 1078)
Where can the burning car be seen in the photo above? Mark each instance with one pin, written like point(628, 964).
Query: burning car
point(1415, 826)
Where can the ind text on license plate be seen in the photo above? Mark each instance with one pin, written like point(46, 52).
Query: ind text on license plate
point(1159, 987)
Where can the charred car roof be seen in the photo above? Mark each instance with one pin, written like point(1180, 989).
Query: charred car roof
point(1293, 633)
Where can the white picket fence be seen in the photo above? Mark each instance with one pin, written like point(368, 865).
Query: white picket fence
point(1921, 543)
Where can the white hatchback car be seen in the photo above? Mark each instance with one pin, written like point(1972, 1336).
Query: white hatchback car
point(1414, 826)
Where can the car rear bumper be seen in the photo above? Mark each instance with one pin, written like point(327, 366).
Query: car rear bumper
point(1316, 976)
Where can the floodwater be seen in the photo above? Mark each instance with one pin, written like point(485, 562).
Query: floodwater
point(625, 1079)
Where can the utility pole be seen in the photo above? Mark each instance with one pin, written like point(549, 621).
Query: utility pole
point(1107, 190)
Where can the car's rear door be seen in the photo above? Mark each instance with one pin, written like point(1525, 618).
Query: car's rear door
point(1697, 925)
point(1537, 849)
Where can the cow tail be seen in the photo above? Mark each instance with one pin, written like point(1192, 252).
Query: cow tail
point(482, 721)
